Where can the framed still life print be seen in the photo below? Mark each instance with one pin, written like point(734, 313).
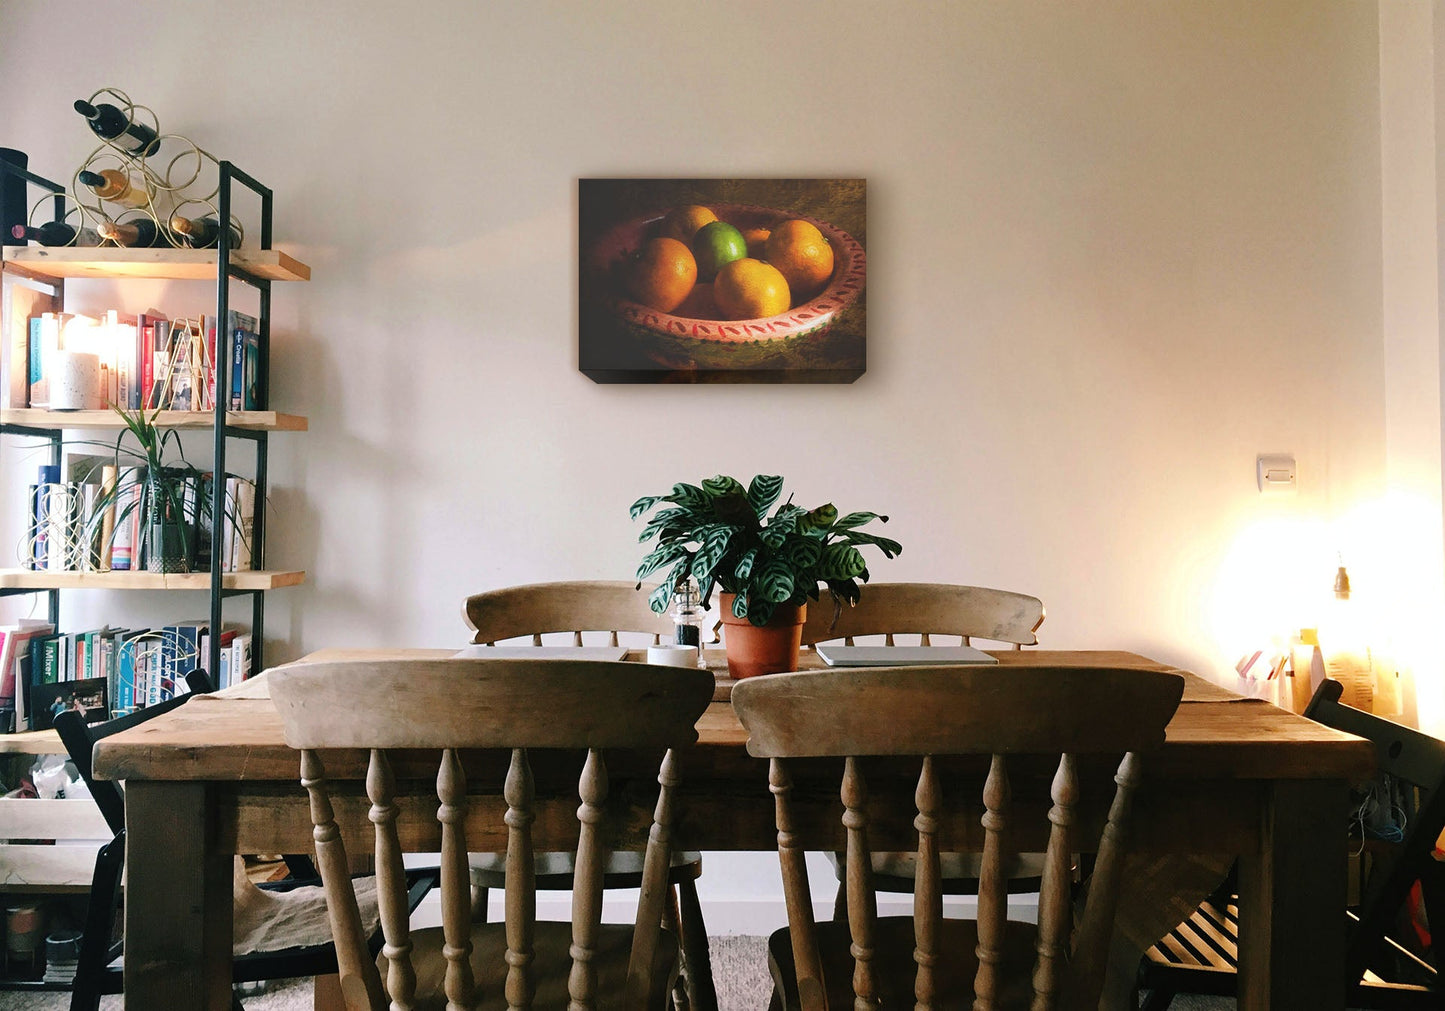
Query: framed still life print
point(722, 280)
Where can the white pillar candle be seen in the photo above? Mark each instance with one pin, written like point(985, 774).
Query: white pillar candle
point(75, 382)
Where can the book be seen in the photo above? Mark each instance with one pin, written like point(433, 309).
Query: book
point(21, 299)
point(243, 519)
point(237, 325)
point(14, 642)
point(180, 653)
point(240, 658)
point(107, 518)
point(125, 537)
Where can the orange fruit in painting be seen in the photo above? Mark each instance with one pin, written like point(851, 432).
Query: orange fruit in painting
point(803, 255)
point(750, 289)
point(662, 274)
point(757, 239)
point(682, 223)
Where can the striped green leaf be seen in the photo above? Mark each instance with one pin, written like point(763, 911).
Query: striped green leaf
point(857, 520)
point(662, 520)
point(643, 504)
point(744, 568)
point(763, 491)
point(887, 546)
point(722, 485)
point(804, 552)
point(841, 561)
point(775, 582)
point(740, 605)
point(659, 557)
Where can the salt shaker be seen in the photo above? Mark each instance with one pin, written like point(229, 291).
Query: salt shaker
point(687, 616)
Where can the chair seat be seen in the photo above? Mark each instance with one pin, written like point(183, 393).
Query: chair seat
point(551, 966)
point(958, 872)
point(895, 969)
point(555, 870)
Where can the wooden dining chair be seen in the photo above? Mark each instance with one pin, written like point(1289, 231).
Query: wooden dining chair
point(928, 610)
point(536, 609)
point(492, 715)
point(615, 607)
point(978, 615)
point(872, 719)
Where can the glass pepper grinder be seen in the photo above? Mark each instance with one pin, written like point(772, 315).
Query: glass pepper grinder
point(687, 617)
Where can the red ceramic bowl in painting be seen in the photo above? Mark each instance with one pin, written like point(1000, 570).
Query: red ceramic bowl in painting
point(683, 340)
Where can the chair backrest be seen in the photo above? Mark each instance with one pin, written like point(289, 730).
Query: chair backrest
point(934, 712)
point(506, 705)
point(929, 609)
point(1411, 758)
point(79, 739)
point(580, 606)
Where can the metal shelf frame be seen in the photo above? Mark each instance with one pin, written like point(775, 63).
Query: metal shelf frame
point(227, 271)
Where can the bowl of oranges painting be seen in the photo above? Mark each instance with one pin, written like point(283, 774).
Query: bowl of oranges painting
point(725, 285)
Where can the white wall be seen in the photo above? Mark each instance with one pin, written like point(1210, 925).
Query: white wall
point(1116, 250)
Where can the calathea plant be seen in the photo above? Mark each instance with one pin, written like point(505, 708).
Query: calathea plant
point(721, 535)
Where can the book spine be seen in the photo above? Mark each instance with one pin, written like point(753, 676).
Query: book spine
point(210, 324)
point(238, 369)
point(147, 363)
point(50, 662)
point(125, 675)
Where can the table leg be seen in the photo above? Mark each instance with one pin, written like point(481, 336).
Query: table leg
point(1292, 900)
point(178, 900)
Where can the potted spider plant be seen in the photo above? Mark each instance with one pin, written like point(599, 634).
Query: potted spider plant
point(169, 531)
point(767, 566)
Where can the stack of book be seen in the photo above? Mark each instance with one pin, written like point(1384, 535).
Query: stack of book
point(106, 671)
point(146, 361)
point(92, 520)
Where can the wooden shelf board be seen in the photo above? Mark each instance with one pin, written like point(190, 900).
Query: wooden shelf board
point(50, 262)
point(27, 579)
point(31, 742)
point(269, 421)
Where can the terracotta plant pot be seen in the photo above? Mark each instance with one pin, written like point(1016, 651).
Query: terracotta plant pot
point(767, 649)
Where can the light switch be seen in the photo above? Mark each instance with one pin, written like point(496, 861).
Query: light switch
point(1275, 474)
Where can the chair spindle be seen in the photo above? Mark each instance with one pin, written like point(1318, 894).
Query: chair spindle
point(796, 894)
point(1091, 945)
point(1055, 908)
point(992, 886)
point(391, 888)
point(927, 891)
point(654, 897)
point(456, 883)
point(521, 895)
point(862, 904)
point(360, 982)
point(587, 884)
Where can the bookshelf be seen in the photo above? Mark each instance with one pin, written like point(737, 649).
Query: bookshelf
point(37, 276)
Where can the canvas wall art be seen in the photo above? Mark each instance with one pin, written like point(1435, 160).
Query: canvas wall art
point(722, 280)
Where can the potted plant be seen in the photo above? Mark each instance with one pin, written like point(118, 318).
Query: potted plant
point(173, 506)
point(767, 567)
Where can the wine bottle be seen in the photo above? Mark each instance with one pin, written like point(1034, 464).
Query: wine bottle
point(112, 124)
point(56, 233)
point(116, 187)
point(137, 232)
point(202, 233)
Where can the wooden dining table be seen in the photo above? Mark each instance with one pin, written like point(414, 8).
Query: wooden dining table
point(1235, 778)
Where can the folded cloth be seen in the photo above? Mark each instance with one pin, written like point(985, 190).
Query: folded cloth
point(276, 921)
